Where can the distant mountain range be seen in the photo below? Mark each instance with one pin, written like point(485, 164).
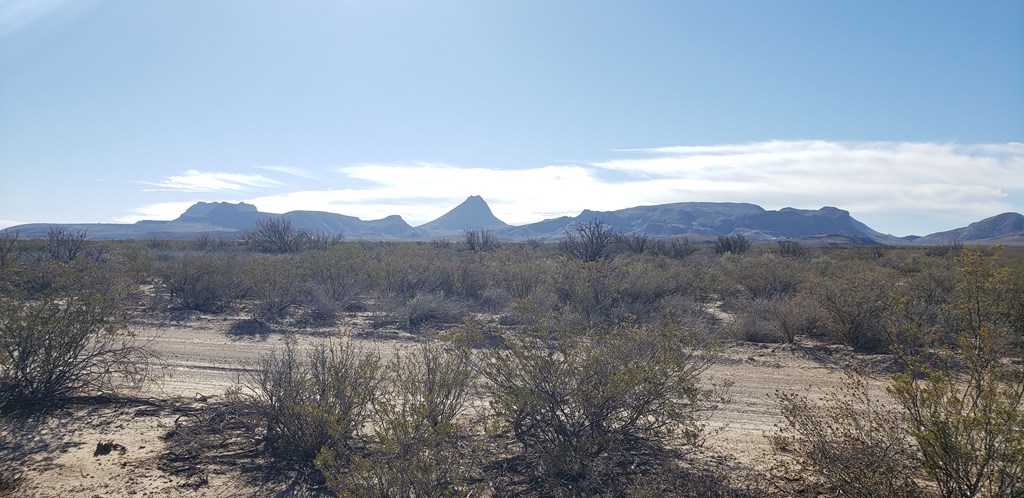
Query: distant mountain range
point(700, 220)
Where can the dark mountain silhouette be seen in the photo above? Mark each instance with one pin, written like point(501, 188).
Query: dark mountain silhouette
point(1004, 228)
point(711, 219)
point(700, 220)
point(472, 214)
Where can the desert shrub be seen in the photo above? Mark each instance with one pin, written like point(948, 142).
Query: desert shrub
point(919, 316)
point(279, 236)
point(854, 298)
point(792, 316)
point(274, 284)
point(10, 474)
point(8, 240)
point(791, 249)
point(848, 442)
point(966, 411)
point(308, 403)
point(423, 309)
point(201, 282)
point(64, 244)
point(585, 416)
point(733, 244)
point(751, 323)
point(636, 243)
point(322, 241)
point(402, 270)
point(136, 263)
point(70, 339)
point(335, 278)
point(701, 278)
point(598, 293)
point(675, 248)
point(590, 291)
point(588, 241)
point(419, 445)
point(647, 284)
point(480, 240)
point(765, 277)
point(945, 250)
point(206, 242)
point(461, 279)
point(517, 273)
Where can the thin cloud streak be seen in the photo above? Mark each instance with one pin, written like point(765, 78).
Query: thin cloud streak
point(925, 186)
point(199, 181)
point(292, 170)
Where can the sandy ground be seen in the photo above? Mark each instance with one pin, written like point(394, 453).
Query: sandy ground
point(200, 357)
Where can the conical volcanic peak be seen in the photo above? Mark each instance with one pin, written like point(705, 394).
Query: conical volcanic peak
point(472, 214)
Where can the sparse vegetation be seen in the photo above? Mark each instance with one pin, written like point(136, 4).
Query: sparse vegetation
point(585, 416)
point(279, 236)
point(732, 244)
point(586, 379)
point(419, 446)
point(479, 240)
point(8, 239)
point(854, 297)
point(71, 339)
point(64, 244)
point(966, 413)
point(312, 400)
point(589, 241)
point(274, 285)
point(849, 442)
point(201, 282)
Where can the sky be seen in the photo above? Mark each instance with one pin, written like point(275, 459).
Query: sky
point(908, 114)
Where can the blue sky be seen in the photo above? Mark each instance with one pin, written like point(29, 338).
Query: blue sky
point(908, 114)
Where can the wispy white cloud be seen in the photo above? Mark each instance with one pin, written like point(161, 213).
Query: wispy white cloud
point(202, 181)
point(935, 182)
point(895, 187)
point(292, 170)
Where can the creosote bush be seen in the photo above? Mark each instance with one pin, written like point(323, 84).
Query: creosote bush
point(71, 339)
point(201, 282)
point(734, 244)
point(418, 445)
point(966, 413)
point(585, 416)
point(274, 284)
point(849, 442)
point(335, 278)
point(792, 316)
point(854, 297)
point(313, 400)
